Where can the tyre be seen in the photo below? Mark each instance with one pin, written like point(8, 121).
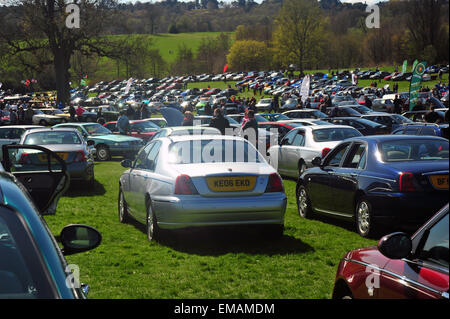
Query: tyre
point(154, 233)
point(124, 217)
point(43, 123)
point(103, 153)
point(303, 203)
point(364, 218)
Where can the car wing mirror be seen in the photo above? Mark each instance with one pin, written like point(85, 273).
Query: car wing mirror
point(126, 163)
point(42, 172)
point(79, 238)
point(395, 246)
point(90, 143)
point(317, 162)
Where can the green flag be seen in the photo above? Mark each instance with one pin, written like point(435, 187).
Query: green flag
point(405, 65)
point(414, 65)
point(414, 86)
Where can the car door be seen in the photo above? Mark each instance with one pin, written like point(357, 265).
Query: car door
point(40, 171)
point(282, 158)
point(344, 179)
point(321, 190)
point(293, 153)
point(425, 275)
point(140, 177)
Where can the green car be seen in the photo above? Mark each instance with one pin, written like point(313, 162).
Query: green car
point(107, 143)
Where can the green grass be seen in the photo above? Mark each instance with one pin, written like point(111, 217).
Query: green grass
point(208, 264)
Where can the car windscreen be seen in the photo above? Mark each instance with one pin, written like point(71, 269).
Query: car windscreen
point(334, 134)
point(145, 126)
point(52, 137)
point(213, 151)
point(368, 123)
point(96, 129)
point(401, 119)
point(414, 150)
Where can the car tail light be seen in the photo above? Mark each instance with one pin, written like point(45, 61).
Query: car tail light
point(184, 186)
point(275, 184)
point(406, 182)
point(325, 151)
point(80, 157)
point(25, 158)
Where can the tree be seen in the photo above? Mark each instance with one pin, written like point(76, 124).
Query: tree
point(249, 55)
point(40, 25)
point(298, 28)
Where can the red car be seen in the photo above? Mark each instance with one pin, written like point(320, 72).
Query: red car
point(139, 128)
point(282, 128)
point(401, 267)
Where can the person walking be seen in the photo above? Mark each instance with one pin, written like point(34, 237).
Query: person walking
point(188, 119)
point(29, 115)
point(12, 116)
point(250, 128)
point(123, 123)
point(219, 121)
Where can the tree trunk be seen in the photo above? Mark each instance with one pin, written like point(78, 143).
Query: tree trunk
point(62, 65)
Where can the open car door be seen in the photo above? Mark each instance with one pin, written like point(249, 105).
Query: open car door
point(42, 172)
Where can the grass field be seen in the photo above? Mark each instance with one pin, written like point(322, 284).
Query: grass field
point(208, 264)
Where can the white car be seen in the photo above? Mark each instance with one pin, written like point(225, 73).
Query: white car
point(40, 118)
point(264, 104)
point(301, 145)
point(306, 122)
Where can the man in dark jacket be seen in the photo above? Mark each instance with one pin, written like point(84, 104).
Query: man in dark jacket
point(219, 121)
point(188, 119)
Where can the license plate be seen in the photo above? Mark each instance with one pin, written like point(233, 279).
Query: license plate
point(439, 181)
point(43, 157)
point(231, 184)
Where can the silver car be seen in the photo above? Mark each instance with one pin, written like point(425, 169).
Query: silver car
point(201, 180)
point(301, 145)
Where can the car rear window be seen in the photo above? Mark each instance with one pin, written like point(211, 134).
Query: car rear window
point(52, 137)
point(414, 150)
point(334, 134)
point(213, 151)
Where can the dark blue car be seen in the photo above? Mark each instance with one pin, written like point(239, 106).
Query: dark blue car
point(379, 182)
point(423, 129)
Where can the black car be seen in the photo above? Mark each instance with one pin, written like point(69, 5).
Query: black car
point(391, 121)
point(365, 127)
point(423, 129)
point(343, 111)
point(378, 182)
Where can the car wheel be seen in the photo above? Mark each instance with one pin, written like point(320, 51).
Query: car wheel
point(152, 228)
point(103, 153)
point(43, 123)
point(363, 215)
point(303, 203)
point(124, 217)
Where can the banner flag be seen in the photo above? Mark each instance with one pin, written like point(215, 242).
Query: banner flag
point(405, 65)
point(414, 86)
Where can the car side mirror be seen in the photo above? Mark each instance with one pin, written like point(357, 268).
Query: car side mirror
point(126, 163)
point(317, 162)
point(90, 143)
point(395, 246)
point(79, 238)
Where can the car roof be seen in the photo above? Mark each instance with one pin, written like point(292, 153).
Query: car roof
point(179, 138)
point(21, 126)
point(384, 138)
point(321, 127)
